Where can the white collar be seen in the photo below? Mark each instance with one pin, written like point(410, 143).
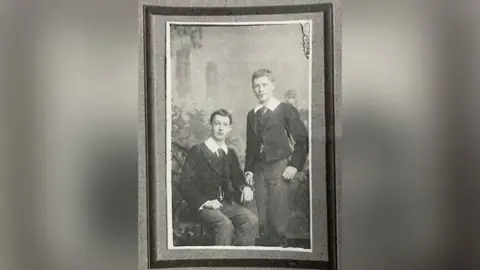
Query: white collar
point(271, 104)
point(213, 146)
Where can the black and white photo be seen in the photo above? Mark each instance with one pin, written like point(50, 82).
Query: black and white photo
point(238, 97)
point(237, 145)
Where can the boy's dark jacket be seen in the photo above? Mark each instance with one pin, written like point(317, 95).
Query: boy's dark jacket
point(202, 176)
point(280, 124)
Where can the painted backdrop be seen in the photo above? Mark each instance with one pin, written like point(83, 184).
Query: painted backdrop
point(211, 68)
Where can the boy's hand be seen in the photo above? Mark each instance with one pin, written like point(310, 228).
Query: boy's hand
point(249, 179)
point(247, 194)
point(213, 204)
point(289, 172)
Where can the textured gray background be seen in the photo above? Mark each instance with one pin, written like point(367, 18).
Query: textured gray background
point(318, 139)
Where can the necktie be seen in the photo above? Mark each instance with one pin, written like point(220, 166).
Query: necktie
point(260, 115)
point(221, 153)
point(263, 110)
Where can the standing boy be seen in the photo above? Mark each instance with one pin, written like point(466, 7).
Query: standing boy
point(271, 159)
point(214, 185)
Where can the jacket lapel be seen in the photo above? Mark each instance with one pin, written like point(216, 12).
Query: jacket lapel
point(210, 158)
point(269, 118)
point(226, 164)
point(253, 121)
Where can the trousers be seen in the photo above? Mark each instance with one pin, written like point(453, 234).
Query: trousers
point(272, 194)
point(232, 224)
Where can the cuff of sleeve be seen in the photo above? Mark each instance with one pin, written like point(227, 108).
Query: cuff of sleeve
point(201, 206)
point(295, 166)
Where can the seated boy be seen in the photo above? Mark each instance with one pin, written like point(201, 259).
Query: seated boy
point(213, 182)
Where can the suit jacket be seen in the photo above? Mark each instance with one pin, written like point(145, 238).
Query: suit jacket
point(280, 123)
point(203, 176)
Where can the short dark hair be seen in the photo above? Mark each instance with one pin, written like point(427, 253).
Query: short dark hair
point(221, 112)
point(263, 73)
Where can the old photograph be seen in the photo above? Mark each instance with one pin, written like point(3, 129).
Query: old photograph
point(238, 120)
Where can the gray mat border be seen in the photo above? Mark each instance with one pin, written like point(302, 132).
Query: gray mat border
point(332, 109)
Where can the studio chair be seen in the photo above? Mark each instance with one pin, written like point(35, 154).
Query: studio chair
point(187, 228)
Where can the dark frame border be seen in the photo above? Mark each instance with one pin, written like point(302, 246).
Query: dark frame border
point(327, 9)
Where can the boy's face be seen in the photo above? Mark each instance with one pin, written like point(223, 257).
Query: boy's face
point(263, 88)
point(221, 126)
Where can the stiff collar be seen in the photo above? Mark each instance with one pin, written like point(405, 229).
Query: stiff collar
point(213, 146)
point(272, 104)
